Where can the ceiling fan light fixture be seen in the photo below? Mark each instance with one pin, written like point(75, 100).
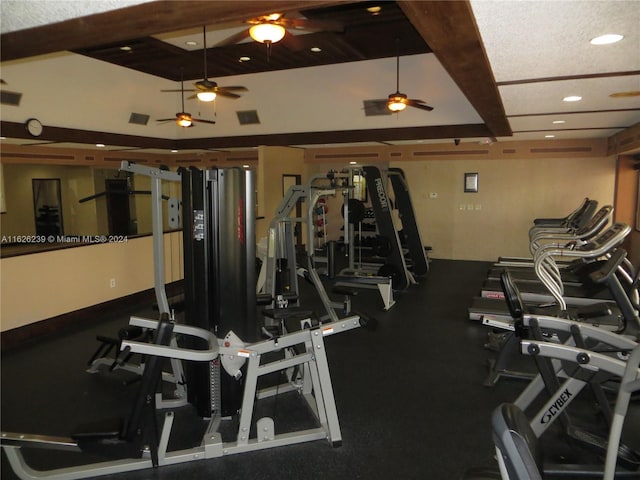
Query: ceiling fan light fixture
point(206, 96)
point(396, 106)
point(184, 120)
point(397, 102)
point(267, 32)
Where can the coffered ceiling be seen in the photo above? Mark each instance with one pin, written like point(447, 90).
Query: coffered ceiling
point(489, 68)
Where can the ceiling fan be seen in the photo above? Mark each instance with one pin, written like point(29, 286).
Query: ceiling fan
point(396, 102)
point(207, 90)
point(184, 119)
point(269, 29)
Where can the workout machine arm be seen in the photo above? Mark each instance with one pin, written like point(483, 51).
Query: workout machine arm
point(585, 358)
point(173, 352)
point(587, 331)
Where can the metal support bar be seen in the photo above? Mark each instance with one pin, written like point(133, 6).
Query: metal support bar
point(157, 176)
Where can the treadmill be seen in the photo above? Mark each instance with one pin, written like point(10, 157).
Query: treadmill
point(544, 262)
point(574, 221)
point(573, 273)
point(551, 297)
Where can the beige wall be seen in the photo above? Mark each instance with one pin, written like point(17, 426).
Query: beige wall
point(42, 285)
point(518, 181)
point(495, 221)
point(273, 162)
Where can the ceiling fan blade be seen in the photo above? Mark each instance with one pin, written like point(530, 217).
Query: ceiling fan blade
point(185, 90)
point(419, 104)
point(166, 119)
point(233, 39)
point(192, 96)
point(226, 94)
point(203, 121)
point(237, 88)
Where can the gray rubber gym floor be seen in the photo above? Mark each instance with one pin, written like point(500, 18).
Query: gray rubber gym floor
point(409, 395)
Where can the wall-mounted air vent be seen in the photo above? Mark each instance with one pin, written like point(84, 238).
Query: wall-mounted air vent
point(10, 98)
point(248, 117)
point(139, 118)
point(375, 107)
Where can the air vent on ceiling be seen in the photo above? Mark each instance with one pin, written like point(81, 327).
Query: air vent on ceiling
point(248, 117)
point(375, 107)
point(10, 98)
point(139, 118)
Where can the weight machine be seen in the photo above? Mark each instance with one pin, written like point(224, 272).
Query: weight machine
point(394, 273)
point(120, 361)
point(280, 272)
point(218, 210)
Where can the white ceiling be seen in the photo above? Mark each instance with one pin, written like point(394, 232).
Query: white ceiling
point(524, 40)
point(101, 96)
point(22, 14)
point(532, 40)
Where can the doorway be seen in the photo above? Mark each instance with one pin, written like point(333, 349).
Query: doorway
point(47, 206)
point(118, 212)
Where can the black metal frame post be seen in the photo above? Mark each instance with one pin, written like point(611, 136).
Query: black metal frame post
point(395, 262)
point(220, 278)
point(418, 256)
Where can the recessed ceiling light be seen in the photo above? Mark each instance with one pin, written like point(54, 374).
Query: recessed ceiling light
point(126, 48)
point(191, 43)
point(374, 10)
point(632, 93)
point(557, 122)
point(606, 39)
point(100, 145)
point(316, 49)
point(174, 151)
point(244, 59)
point(549, 136)
point(353, 163)
point(572, 98)
point(245, 166)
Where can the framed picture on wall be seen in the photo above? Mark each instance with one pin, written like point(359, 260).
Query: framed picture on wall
point(471, 182)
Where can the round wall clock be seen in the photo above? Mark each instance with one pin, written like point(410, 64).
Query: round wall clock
point(34, 127)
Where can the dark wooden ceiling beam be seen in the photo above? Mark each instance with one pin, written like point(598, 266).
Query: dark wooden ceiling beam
point(339, 136)
point(89, 137)
point(66, 135)
point(449, 28)
point(146, 19)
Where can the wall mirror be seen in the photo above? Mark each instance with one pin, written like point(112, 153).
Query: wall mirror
point(70, 201)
